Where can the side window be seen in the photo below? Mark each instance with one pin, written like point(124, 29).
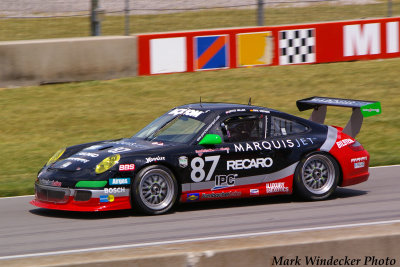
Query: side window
point(282, 127)
point(242, 128)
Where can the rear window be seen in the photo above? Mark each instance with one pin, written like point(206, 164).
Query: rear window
point(283, 127)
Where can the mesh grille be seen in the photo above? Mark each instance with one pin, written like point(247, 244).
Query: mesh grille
point(51, 194)
point(82, 195)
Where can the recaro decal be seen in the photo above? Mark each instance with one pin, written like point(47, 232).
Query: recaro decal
point(246, 164)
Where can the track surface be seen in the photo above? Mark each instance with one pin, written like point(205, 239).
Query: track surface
point(25, 229)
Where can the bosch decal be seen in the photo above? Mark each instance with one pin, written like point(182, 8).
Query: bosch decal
point(114, 190)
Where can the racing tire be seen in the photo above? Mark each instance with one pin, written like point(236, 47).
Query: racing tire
point(316, 176)
point(154, 190)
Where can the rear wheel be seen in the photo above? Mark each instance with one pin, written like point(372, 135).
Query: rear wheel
point(154, 190)
point(316, 176)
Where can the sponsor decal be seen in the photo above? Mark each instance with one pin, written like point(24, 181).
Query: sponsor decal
point(95, 147)
point(274, 144)
point(221, 195)
point(193, 196)
point(50, 183)
point(259, 110)
point(66, 164)
point(276, 188)
point(208, 128)
point(371, 109)
point(119, 150)
point(246, 164)
point(235, 110)
point(358, 165)
point(334, 101)
point(124, 143)
point(88, 154)
point(158, 143)
point(254, 192)
point(114, 190)
point(183, 161)
point(158, 158)
point(107, 198)
point(359, 159)
point(126, 167)
point(188, 112)
point(119, 181)
point(223, 181)
point(79, 160)
point(359, 162)
point(202, 151)
point(344, 142)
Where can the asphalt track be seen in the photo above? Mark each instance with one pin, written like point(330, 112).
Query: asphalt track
point(25, 229)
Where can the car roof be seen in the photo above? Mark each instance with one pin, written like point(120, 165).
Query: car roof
point(220, 106)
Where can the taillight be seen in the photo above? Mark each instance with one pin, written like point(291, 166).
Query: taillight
point(356, 146)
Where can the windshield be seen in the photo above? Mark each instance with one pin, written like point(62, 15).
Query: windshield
point(180, 129)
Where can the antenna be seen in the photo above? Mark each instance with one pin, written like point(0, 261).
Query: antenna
point(200, 102)
point(249, 101)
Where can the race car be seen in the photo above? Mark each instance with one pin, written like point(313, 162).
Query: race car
point(209, 151)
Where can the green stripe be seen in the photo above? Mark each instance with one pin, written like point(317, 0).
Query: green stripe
point(91, 184)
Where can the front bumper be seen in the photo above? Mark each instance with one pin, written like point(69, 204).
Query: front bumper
point(59, 198)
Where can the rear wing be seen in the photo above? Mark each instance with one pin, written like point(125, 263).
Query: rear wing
point(361, 109)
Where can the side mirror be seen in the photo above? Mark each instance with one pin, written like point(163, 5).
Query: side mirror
point(211, 139)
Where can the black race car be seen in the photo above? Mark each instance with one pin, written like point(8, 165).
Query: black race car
point(208, 151)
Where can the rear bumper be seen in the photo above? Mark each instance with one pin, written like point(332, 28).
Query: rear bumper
point(58, 198)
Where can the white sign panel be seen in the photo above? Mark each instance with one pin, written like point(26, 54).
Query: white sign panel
point(168, 55)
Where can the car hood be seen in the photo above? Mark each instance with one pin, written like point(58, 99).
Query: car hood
point(90, 156)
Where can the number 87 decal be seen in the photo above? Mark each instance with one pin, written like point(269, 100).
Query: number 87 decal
point(198, 172)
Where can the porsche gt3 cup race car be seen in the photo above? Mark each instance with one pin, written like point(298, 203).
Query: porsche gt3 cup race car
point(209, 151)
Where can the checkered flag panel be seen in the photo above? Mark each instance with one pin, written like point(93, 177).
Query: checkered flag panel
point(296, 46)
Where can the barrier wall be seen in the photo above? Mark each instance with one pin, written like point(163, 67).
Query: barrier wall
point(354, 246)
point(67, 60)
point(263, 46)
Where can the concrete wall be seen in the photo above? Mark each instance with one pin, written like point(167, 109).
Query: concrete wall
point(377, 245)
point(66, 60)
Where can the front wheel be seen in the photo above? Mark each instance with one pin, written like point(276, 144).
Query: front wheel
point(316, 176)
point(154, 190)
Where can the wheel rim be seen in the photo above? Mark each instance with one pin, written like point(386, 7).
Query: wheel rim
point(318, 174)
point(156, 189)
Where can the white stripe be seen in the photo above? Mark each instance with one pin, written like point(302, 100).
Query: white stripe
point(331, 137)
point(16, 197)
point(196, 239)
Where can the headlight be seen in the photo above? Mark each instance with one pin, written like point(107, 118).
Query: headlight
point(107, 163)
point(56, 156)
